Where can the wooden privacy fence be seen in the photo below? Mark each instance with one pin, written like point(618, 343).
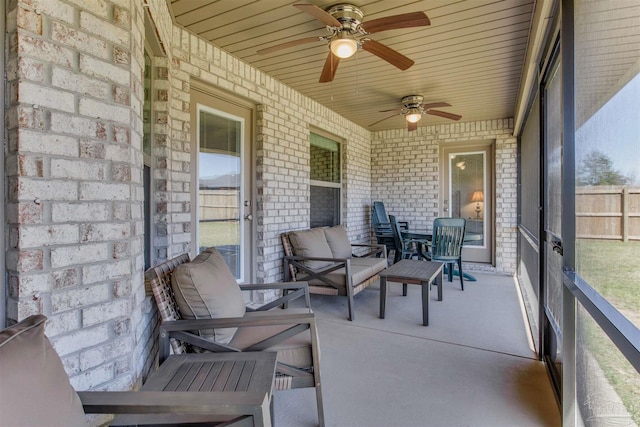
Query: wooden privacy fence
point(608, 212)
point(219, 204)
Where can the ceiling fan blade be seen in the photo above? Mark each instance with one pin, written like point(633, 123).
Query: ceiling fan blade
point(386, 111)
point(412, 126)
point(375, 123)
point(391, 56)
point(329, 69)
point(288, 44)
point(319, 14)
point(444, 114)
point(405, 20)
point(435, 105)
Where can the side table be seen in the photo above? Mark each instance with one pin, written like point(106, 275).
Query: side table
point(415, 272)
point(238, 385)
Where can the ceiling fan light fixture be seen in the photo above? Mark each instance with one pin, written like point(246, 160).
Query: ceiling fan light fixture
point(343, 46)
point(413, 115)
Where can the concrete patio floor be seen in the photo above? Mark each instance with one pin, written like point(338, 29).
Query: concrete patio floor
point(472, 366)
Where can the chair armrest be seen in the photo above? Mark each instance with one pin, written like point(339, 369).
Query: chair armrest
point(422, 246)
point(164, 402)
point(423, 241)
point(386, 226)
point(376, 249)
point(182, 329)
point(255, 319)
point(298, 262)
point(282, 286)
point(361, 245)
point(290, 292)
point(305, 258)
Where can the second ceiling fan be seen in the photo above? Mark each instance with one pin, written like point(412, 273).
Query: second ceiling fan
point(349, 33)
point(413, 109)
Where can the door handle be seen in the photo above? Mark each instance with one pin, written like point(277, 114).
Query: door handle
point(248, 217)
point(557, 247)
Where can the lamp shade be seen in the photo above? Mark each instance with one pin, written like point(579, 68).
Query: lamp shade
point(344, 46)
point(478, 196)
point(413, 115)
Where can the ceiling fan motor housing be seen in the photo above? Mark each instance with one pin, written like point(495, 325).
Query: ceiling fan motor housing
point(412, 101)
point(349, 16)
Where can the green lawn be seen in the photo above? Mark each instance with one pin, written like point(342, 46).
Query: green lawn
point(218, 233)
point(612, 268)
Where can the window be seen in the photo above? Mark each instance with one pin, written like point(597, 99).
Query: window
point(146, 151)
point(220, 185)
point(324, 181)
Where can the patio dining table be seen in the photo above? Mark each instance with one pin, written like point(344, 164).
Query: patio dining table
point(426, 237)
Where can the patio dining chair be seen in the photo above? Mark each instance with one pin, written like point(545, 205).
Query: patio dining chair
point(201, 308)
point(405, 248)
point(382, 228)
point(446, 244)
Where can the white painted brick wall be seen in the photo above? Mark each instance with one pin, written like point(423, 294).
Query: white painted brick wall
point(80, 212)
point(47, 235)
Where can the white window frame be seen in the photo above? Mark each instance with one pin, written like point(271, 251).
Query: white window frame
point(326, 184)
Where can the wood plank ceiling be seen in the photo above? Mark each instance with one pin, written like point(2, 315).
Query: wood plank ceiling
point(471, 56)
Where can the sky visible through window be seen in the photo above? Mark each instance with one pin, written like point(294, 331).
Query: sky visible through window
point(615, 131)
point(214, 165)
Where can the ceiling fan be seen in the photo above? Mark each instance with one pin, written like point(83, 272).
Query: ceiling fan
point(348, 33)
point(413, 109)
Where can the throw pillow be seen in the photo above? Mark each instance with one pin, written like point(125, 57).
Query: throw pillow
point(311, 243)
point(34, 387)
point(338, 241)
point(206, 289)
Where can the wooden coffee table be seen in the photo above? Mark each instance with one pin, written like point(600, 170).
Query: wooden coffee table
point(237, 386)
point(414, 272)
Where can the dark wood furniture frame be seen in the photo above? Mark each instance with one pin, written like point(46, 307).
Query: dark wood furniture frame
point(414, 272)
point(177, 335)
point(295, 267)
point(238, 387)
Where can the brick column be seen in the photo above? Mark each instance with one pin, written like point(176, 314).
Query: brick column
point(74, 169)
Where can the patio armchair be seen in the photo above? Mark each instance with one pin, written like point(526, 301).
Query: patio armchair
point(202, 309)
point(35, 390)
point(446, 244)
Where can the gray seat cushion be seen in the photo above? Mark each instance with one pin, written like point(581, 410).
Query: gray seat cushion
point(311, 243)
point(359, 273)
point(295, 351)
point(205, 289)
point(376, 264)
point(338, 241)
point(34, 387)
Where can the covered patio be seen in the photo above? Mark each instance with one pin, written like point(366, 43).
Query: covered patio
point(108, 108)
point(472, 366)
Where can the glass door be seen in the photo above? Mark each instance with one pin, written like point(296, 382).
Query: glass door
point(468, 195)
point(224, 212)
